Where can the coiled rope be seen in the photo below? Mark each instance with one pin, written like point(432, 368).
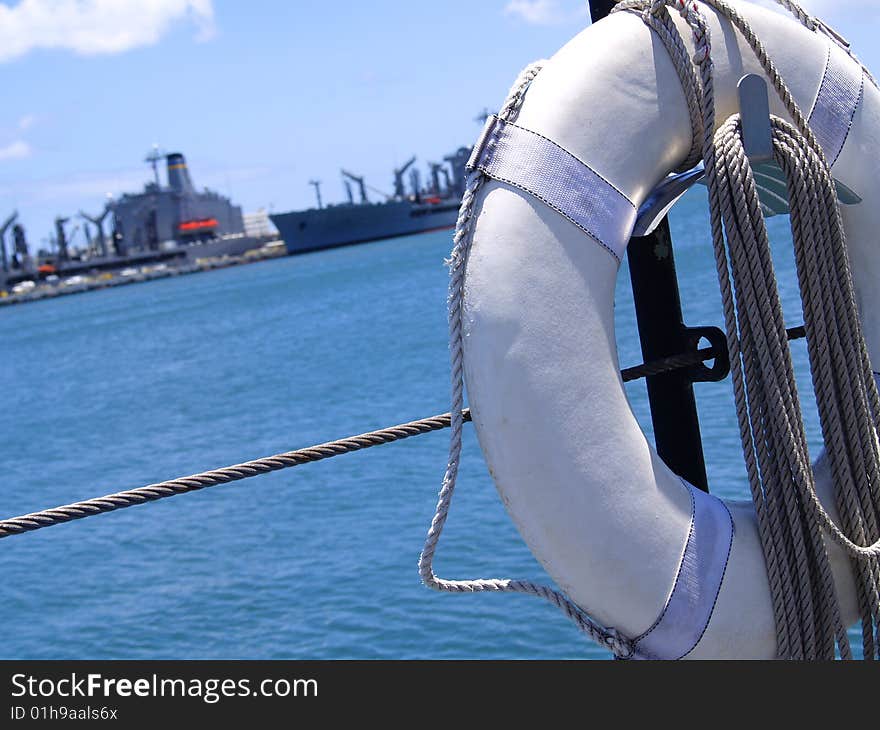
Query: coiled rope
point(700, 97)
point(791, 518)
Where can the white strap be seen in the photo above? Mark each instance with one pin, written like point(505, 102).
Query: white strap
point(686, 615)
point(531, 162)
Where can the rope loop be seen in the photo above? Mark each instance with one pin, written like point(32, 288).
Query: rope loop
point(462, 241)
point(804, 601)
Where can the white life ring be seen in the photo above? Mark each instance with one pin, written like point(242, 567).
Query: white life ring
point(596, 505)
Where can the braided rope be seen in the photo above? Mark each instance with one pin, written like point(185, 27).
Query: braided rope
point(225, 475)
point(462, 241)
point(805, 19)
point(184, 485)
point(790, 516)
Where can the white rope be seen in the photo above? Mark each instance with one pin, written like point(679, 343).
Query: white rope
point(790, 515)
point(805, 605)
point(462, 241)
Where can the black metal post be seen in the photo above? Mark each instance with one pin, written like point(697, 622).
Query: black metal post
point(600, 8)
point(662, 333)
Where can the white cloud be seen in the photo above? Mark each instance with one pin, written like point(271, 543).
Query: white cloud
point(92, 27)
point(17, 150)
point(26, 122)
point(536, 12)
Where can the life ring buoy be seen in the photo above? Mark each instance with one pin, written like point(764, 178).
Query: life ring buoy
point(590, 496)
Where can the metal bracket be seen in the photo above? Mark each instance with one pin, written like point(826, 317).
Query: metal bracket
point(758, 145)
point(754, 112)
point(701, 373)
point(661, 199)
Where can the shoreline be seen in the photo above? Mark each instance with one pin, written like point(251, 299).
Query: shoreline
point(107, 280)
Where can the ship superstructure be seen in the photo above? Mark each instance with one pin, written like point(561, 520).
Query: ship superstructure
point(162, 217)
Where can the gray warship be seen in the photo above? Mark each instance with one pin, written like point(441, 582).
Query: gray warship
point(162, 223)
point(421, 208)
point(176, 215)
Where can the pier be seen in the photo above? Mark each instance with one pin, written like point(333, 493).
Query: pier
point(93, 279)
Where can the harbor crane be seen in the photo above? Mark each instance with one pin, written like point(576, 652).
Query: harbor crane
point(415, 183)
point(19, 248)
point(398, 177)
point(61, 238)
point(317, 185)
point(3, 228)
point(98, 222)
point(435, 177)
point(359, 181)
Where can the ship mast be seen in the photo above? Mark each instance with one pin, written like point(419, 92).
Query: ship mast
point(153, 158)
point(317, 185)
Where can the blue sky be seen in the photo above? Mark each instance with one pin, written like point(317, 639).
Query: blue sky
point(263, 95)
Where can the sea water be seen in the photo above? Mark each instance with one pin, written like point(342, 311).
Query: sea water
point(119, 388)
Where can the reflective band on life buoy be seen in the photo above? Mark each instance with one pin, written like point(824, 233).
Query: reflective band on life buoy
point(839, 94)
point(684, 618)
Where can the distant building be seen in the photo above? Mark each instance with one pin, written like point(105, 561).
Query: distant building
point(258, 224)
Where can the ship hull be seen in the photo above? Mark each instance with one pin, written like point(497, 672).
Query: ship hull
point(344, 225)
point(227, 246)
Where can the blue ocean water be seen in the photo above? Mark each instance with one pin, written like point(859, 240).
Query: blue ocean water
point(118, 388)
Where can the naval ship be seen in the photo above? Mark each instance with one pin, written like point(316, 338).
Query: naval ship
point(161, 223)
point(175, 215)
point(421, 209)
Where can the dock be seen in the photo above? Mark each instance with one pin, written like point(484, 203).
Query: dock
point(92, 280)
